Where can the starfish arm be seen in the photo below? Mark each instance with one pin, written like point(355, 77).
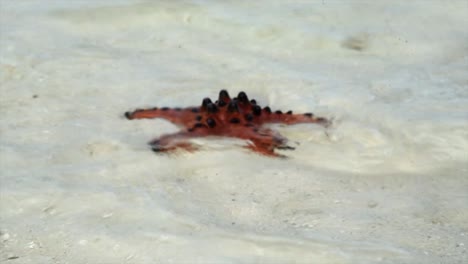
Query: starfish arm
point(177, 116)
point(292, 119)
point(171, 142)
point(263, 141)
point(178, 140)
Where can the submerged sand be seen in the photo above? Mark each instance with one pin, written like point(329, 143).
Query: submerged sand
point(387, 182)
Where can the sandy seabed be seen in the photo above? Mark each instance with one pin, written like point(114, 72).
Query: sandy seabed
point(386, 183)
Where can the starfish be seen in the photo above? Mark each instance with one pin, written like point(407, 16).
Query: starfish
point(236, 117)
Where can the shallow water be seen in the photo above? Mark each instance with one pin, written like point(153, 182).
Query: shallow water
point(387, 182)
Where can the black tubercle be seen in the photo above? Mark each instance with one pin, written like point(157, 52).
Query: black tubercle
point(210, 122)
point(128, 115)
point(206, 101)
point(267, 109)
point(257, 110)
point(248, 117)
point(253, 101)
point(154, 108)
point(198, 117)
point(223, 95)
point(164, 108)
point(195, 110)
point(197, 125)
point(309, 114)
point(233, 107)
point(289, 112)
point(212, 108)
point(221, 103)
point(177, 109)
point(278, 112)
point(234, 120)
point(242, 97)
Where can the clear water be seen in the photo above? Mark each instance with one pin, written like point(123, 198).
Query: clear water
point(388, 182)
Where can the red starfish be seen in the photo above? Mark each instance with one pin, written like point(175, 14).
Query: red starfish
point(236, 118)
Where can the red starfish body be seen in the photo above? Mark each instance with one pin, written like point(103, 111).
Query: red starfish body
point(238, 117)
